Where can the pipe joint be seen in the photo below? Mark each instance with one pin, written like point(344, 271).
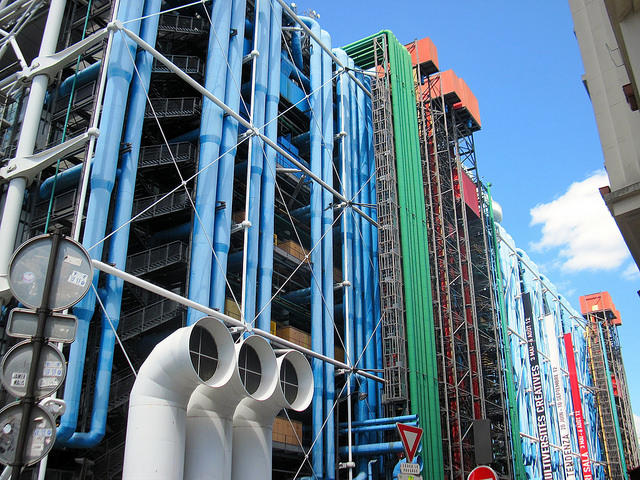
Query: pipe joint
point(114, 26)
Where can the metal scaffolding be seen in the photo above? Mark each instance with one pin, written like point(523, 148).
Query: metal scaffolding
point(469, 342)
point(617, 432)
point(389, 248)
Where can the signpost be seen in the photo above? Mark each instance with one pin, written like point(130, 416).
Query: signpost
point(49, 273)
point(410, 437)
point(482, 473)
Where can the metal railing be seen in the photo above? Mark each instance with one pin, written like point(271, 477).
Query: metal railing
point(157, 258)
point(145, 318)
point(187, 63)
point(120, 390)
point(158, 155)
point(175, 202)
point(63, 205)
point(181, 24)
point(173, 107)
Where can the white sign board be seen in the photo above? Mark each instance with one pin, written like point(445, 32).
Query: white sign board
point(412, 468)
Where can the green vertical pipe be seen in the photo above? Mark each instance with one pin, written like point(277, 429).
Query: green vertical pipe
point(514, 416)
point(421, 357)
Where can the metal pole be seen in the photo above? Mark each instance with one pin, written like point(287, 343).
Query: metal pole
point(38, 341)
point(254, 130)
point(86, 170)
point(26, 144)
point(245, 235)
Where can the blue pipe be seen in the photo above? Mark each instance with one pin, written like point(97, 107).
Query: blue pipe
point(190, 136)
point(361, 412)
point(372, 449)
point(179, 232)
point(382, 421)
point(66, 179)
point(316, 254)
point(292, 72)
point(377, 344)
point(327, 256)
point(252, 234)
point(210, 138)
point(343, 93)
point(103, 173)
point(301, 212)
point(265, 268)
point(367, 260)
point(375, 428)
point(304, 294)
point(296, 50)
point(224, 191)
point(84, 76)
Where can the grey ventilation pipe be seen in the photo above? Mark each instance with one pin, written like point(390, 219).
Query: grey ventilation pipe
point(210, 410)
point(253, 419)
point(203, 353)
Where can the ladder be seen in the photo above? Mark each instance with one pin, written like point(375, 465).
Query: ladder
point(389, 257)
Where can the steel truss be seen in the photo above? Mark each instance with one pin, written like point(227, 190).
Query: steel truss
point(469, 345)
point(612, 395)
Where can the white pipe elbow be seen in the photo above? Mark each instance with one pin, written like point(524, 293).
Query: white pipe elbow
point(201, 353)
point(210, 409)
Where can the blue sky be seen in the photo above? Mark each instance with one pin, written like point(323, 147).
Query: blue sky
point(539, 146)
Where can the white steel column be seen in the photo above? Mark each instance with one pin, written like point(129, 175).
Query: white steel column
point(26, 143)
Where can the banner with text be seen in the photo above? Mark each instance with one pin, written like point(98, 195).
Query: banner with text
point(577, 408)
point(561, 403)
point(536, 382)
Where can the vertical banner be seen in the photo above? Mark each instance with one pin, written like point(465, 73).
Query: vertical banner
point(577, 408)
point(536, 383)
point(561, 404)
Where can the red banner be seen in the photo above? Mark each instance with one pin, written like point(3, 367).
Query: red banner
point(577, 408)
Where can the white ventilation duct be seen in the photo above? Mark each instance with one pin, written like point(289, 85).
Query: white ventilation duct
point(203, 353)
point(210, 410)
point(253, 419)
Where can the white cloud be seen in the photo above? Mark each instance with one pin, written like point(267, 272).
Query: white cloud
point(579, 226)
point(636, 420)
point(631, 272)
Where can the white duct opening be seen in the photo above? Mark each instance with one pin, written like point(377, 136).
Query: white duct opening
point(253, 419)
point(210, 411)
point(203, 353)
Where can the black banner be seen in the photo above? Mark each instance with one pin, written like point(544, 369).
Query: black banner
point(536, 383)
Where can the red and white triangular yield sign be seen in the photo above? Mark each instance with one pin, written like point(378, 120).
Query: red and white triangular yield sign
point(410, 437)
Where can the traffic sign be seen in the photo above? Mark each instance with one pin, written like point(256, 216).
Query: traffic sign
point(410, 437)
point(58, 327)
point(409, 476)
point(15, 365)
point(482, 473)
point(71, 277)
point(40, 436)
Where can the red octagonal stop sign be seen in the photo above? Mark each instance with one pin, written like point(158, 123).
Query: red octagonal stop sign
point(482, 473)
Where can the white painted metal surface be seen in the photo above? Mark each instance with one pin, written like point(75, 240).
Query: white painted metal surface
point(156, 429)
point(210, 415)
